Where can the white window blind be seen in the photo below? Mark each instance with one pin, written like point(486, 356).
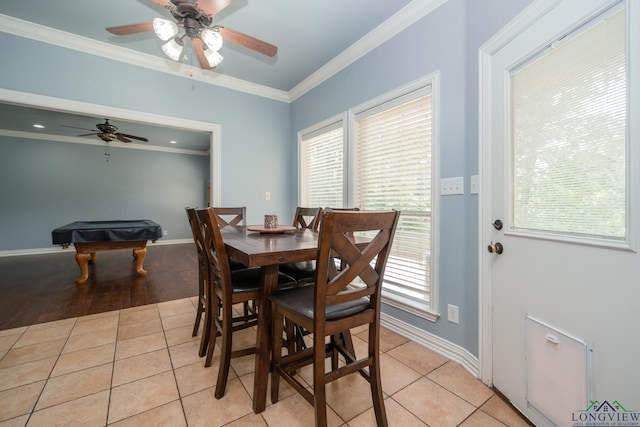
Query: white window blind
point(569, 158)
point(393, 163)
point(322, 167)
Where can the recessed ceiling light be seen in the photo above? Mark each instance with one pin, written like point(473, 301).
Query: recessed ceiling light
point(39, 126)
point(173, 142)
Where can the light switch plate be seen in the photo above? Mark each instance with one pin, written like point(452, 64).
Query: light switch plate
point(451, 186)
point(475, 184)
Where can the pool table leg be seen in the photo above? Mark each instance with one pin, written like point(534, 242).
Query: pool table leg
point(83, 263)
point(139, 255)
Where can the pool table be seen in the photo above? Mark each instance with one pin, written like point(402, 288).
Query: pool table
point(89, 237)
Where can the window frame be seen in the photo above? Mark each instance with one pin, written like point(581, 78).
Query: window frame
point(630, 241)
point(420, 87)
point(328, 125)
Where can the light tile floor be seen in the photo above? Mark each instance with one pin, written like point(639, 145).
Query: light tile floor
point(140, 367)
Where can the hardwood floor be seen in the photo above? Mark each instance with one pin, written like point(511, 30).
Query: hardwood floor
point(42, 288)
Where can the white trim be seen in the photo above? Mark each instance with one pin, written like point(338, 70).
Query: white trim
point(412, 307)
point(429, 84)
point(633, 12)
point(59, 249)
point(77, 107)
point(433, 342)
point(401, 20)
point(67, 40)
point(485, 286)
point(398, 22)
point(339, 120)
point(485, 293)
point(85, 141)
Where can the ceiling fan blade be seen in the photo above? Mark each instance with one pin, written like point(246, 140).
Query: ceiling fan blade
point(88, 134)
point(248, 41)
point(120, 137)
point(210, 7)
point(124, 30)
point(198, 49)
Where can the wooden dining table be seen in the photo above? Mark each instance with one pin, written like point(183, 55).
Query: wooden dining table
point(267, 251)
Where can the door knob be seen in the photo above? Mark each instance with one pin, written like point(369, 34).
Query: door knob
point(497, 224)
point(496, 248)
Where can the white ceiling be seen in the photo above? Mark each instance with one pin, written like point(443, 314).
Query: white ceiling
point(313, 37)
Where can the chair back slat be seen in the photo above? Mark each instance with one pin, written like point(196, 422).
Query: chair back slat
point(196, 231)
point(307, 218)
point(230, 216)
point(362, 270)
point(218, 261)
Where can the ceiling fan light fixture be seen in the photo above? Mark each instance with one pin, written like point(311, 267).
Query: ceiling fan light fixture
point(173, 48)
point(213, 58)
point(213, 39)
point(165, 29)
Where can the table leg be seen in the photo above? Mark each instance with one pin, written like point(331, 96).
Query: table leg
point(139, 255)
point(83, 263)
point(263, 339)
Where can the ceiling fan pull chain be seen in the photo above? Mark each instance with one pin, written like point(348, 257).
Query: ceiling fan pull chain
point(107, 153)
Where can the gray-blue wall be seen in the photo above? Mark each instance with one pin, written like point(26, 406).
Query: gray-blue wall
point(259, 145)
point(255, 148)
point(446, 41)
point(47, 184)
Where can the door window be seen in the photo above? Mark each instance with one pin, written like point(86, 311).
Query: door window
point(568, 136)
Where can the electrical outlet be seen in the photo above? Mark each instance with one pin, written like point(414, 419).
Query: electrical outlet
point(165, 232)
point(453, 313)
point(267, 196)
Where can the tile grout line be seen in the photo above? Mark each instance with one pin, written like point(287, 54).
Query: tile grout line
point(173, 368)
point(46, 381)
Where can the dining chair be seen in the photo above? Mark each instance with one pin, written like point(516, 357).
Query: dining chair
point(224, 289)
point(307, 218)
point(303, 271)
point(335, 303)
point(231, 216)
point(194, 224)
point(237, 215)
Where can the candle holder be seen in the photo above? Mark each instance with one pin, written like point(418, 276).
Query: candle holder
point(270, 221)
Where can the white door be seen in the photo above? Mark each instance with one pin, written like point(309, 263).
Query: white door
point(560, 173)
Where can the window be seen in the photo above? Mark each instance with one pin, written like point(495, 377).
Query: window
point(569, 159)
point(390, 166)
point(322, 166)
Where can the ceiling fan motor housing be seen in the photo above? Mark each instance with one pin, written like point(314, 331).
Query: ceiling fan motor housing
point(106, 137)
point(190, 16)
point(107, 127)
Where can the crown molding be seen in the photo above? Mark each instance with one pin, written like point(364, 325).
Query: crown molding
point(85, 141)
point(67, 40)
point(74, 107)
point(398, 22)
point(414, 11)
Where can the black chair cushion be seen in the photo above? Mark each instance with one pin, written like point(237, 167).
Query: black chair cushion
point(234, 264)
point(300, 300)
point(303, 272)
point(248, 280)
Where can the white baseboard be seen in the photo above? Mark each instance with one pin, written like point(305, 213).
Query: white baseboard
point(433, 342)
point(56, 249)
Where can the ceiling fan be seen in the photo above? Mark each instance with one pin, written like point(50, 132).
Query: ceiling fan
point(193, 19)
point(108, 132)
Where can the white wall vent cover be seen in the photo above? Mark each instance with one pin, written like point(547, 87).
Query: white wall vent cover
point(558, 372)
